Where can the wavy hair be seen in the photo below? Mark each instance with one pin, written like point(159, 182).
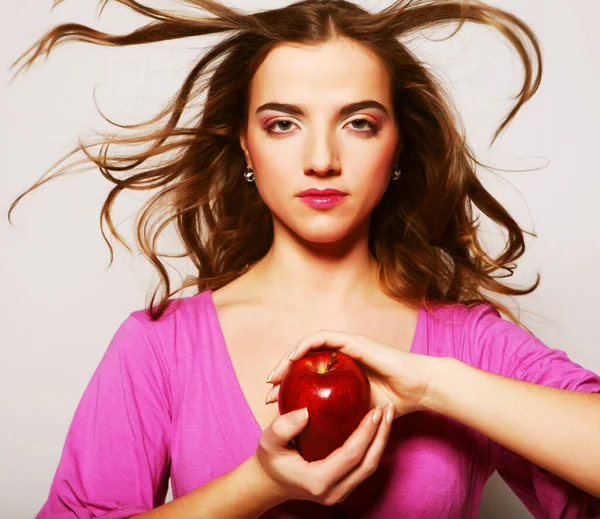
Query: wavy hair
point(423, 233)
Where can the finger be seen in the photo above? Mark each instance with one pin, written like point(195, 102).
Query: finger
point(367, 351)
point(372, 457)
point(280, 368)
point(313, 341)
point(273, 394)
point(332, 339)
point(335, 466)
point(284, 428)
point(370, 353)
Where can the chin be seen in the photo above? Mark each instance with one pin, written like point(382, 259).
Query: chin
point(328, 227)
point(331, 233)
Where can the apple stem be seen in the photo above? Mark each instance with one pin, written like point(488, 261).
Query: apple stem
point(330, 362)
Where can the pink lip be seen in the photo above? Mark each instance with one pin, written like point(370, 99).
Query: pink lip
point(323, 202)
point(321, 192)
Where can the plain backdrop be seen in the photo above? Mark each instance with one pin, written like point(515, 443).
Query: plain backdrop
point(60, 304)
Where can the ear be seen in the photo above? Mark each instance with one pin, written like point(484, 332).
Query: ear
point(244, 146)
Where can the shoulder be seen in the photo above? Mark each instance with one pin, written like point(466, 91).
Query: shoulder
point(477, 335)
point(179, 312)
point(482, 338)
point(468, 320)
point(175, 332)
point(459, 321)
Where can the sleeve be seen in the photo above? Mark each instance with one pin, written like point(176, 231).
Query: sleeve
point(504, 348)
point(115, 461)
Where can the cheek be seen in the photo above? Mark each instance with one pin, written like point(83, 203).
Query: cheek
point(375, 162)
point(265, 158)
point(386, 153)
point(272, 169)
point(275, 161)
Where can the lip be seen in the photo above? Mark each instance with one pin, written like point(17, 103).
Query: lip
point(323, 202)
point(322, 192)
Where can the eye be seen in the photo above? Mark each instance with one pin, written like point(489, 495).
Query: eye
point(364, 126)
point(270, 127)
point(372, 127)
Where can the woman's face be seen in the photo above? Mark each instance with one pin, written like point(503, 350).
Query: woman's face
point(314, 138)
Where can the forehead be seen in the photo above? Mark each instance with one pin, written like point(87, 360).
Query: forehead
point(339, 70)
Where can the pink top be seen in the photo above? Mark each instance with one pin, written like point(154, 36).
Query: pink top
point(165, 402)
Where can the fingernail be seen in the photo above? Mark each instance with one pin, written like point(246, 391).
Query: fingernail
point(292, 353)
point(299, 416)
point(377, 415)
point(269, 396)
point(389, 415)
point(270, 376)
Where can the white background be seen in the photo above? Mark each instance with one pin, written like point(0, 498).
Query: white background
point(60, 305)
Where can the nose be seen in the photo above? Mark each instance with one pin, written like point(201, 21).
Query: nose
point(322, 156)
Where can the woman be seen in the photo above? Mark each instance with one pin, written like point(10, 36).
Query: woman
point(321, 95)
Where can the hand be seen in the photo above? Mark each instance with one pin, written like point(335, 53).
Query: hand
point(396, 376)
point(330, 480)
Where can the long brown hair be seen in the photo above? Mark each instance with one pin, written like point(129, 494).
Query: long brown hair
point(423, 233)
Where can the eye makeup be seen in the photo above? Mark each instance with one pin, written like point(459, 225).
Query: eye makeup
point(372, 128)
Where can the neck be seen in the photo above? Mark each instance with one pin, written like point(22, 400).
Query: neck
point(318, 277)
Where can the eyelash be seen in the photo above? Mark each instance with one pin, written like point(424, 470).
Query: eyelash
point(373, 127)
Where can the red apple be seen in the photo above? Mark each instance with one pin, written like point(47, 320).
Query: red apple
point(337, 393)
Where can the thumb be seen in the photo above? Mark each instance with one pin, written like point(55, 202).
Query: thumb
point(287, 426)
point(297, 417)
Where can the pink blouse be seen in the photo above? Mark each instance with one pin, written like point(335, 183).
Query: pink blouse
point(164, 402)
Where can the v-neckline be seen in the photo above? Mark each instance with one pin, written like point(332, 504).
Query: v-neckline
point(240, 397)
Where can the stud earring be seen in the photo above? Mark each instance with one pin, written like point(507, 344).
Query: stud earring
point(396, 174)
point(249, 174)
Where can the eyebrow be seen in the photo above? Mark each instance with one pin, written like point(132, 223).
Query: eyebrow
point(345, 110)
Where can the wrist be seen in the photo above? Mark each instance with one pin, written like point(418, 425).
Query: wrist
point(444, 370)
point(272, 493)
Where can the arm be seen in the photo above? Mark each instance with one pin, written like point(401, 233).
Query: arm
point(557, 429)
point(116, 456)
point(115, 462)
point(243, 493)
